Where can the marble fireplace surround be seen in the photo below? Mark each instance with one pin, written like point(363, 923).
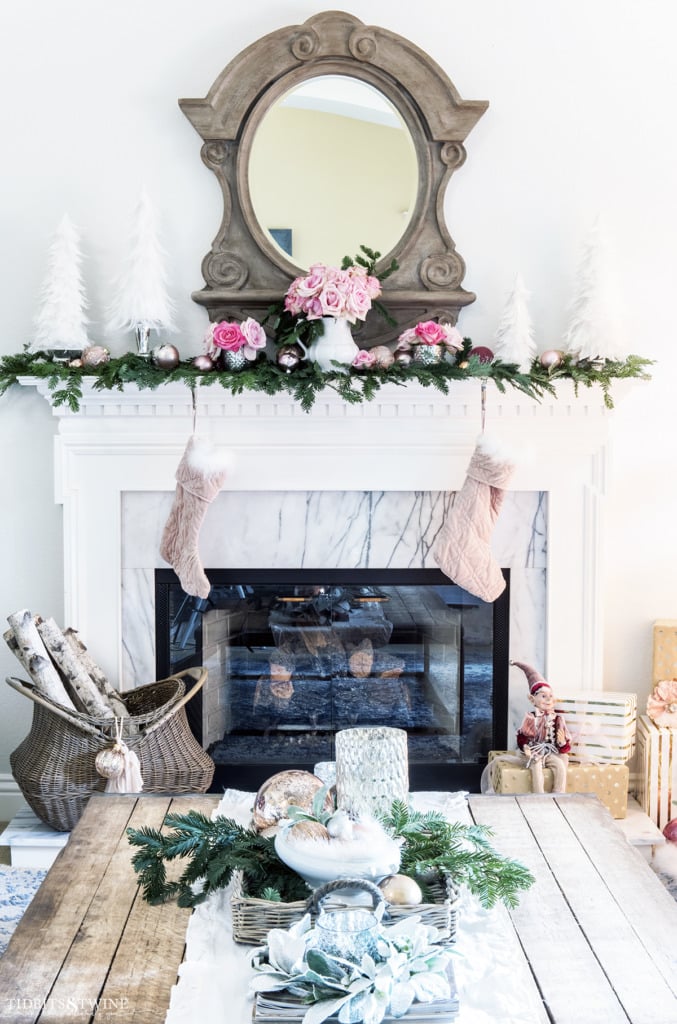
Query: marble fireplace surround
point(341, 486)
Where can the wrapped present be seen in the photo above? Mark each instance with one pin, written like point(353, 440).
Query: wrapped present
point(664, 650)
point(608, 782)
point(657, 764)
point(602, 725)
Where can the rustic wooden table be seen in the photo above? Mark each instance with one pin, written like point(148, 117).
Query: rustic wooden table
point(88, 946)
point(598, 929)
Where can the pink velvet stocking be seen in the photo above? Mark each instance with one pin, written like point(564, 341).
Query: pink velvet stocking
point(463, 548)
point(199, 478)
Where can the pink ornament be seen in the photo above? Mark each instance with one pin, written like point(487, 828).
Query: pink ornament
point(95, 355)
point(481, 352)
point(165, 357)
point(204, 363)
point(551, 359)
point(670, 831)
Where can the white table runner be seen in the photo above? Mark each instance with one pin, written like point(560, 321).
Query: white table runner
point(493, 982)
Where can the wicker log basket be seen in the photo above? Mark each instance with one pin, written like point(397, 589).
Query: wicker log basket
point(54, 765)
point(253, 918)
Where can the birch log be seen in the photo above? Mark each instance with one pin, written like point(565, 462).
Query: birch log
point(33, 655)
point(74, 671)
point(95, 673)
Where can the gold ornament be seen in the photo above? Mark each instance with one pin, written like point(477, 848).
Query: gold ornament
point(401, 889)
point(110, 762)
point(463, 365)
point(303, 831)
point(280, 791)
point(95, 355)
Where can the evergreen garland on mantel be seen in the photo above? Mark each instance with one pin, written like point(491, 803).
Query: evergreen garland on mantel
point(307, 382)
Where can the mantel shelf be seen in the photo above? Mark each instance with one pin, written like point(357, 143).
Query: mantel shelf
point(392, 402)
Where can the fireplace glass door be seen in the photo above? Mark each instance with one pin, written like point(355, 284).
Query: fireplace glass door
point(294, 657)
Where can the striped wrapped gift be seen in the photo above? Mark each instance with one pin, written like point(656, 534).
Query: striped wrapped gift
point(602, 725)
point(657, 764)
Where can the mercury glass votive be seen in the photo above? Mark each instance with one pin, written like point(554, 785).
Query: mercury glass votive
point(372, 770)
point(348, 934)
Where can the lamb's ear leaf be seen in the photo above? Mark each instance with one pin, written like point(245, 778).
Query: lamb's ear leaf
point(319, 801)
point(319, 1012)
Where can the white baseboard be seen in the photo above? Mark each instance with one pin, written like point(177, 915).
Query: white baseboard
point(11, 798)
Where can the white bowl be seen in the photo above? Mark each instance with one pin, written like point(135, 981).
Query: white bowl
point(320, 861)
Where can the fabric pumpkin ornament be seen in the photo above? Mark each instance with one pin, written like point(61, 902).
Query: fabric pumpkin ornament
point(661, 705)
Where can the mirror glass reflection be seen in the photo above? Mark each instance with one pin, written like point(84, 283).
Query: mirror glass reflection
point(332, 167)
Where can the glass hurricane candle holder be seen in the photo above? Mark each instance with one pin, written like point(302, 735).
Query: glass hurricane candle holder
point(372, 770)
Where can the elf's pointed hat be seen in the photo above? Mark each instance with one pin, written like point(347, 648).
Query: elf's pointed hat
point(534, 678)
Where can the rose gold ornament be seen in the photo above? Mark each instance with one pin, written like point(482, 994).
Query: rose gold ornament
point(481, 352)
point(551, 359)
point(165, 357)
point(289, 357)
point(95, 355)
point(383, 357)
point(403, 358)
point(204, 363)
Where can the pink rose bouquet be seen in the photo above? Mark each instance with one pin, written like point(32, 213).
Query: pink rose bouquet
point(429, 332)
point(328, 291)
point(249, 336)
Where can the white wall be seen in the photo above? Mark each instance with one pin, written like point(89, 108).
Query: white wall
point(581, 122)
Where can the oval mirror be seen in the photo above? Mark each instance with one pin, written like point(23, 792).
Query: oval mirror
point(332, 166)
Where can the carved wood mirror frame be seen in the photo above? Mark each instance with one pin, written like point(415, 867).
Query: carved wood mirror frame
point(244, 273)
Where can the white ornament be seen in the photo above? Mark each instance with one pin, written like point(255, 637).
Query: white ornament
point(514, 338)
point(595, 327)
point(60, 320)
point(142, 300)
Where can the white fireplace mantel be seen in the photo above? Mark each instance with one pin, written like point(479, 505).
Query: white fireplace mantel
point(406, 439)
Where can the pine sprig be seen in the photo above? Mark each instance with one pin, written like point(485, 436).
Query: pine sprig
point(213, 849)
point(306, 383)
point(434, 847)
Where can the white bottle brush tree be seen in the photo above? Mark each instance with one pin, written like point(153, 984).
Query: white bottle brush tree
point(60, 321)
point(142, 302)
point(595, 330)
point(514, 339)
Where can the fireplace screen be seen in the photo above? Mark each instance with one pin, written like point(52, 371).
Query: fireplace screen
point(293, 657)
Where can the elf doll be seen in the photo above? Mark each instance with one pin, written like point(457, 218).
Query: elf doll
point(543, 737)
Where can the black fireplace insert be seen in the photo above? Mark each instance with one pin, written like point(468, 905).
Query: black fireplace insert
point(296, 655)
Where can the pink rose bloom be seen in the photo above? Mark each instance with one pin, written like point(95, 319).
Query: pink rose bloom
point(310, 285)
point(228, 336)
point(358, 303)
point(428, 332)
point(313, 309)
point(331, 300)
point(453, 338)
point(364, 359)
point(373, 287)
point(255, 337)
point(406, 339)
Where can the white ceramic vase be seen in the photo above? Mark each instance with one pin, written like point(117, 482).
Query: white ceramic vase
point(334, 345)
